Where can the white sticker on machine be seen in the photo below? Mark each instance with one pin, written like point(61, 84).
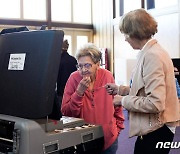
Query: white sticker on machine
point(16, 61)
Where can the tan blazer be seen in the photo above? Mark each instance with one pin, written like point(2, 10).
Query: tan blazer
point(152, 100)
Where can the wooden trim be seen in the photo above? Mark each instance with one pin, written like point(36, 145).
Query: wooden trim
point(22, 22)
point(48, 13)
point(72, 25)
point(142, 4)
point(21, 9)
point(114, 9)
point(40, 23)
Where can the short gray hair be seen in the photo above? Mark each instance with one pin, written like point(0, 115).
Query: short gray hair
point(89, 49)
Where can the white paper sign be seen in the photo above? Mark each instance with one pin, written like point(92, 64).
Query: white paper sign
point(16, 61)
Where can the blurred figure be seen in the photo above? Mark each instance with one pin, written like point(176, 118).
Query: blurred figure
point(85, 97)
point(176, 72)
point(152, 101)
point(67, 66)
point(177, 88)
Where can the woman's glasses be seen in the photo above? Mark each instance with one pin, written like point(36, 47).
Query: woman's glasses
point(86, 66)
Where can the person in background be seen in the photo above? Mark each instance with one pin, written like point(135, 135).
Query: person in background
point(152, 99)
point(177, 88)
point(85, 97)
point(67, 66)
point(176, 72)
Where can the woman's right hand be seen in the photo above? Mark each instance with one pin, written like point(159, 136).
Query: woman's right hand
point(83, 85)
point(112, 88)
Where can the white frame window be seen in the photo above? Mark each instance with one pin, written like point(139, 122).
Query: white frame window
point(68, 11)
point(10, 9)
point(74, 11)
point(74, 34)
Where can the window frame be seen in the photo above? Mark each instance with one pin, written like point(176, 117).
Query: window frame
point(48, 21)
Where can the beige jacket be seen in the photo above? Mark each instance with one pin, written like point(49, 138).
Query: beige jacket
point(152, 100)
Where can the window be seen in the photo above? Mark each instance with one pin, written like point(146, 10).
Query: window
point(10, 9)
point(61, 10)
point(82, 11)
point(81, 40)
point(76, 38)
point(73, 16)
point(68, 11)
point(71, 11)
point(34, 9)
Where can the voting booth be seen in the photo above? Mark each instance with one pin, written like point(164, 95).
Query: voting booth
point(29, 62)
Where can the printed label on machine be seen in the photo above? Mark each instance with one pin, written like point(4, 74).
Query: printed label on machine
point(16, 61)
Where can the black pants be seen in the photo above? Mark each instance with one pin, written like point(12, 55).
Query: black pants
point(147, 144)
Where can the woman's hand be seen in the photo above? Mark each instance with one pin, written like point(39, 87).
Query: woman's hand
point(83, 85)
point(117, 100)
point(111, 88)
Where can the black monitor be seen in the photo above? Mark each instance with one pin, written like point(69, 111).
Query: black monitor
point(29, 63)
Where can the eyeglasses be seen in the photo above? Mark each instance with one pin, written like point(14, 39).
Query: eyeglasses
point(86, 66)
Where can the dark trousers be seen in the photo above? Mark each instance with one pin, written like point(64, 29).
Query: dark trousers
point(112, 149)
point(147, 144)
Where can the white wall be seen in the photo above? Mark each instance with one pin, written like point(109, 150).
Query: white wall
point(124, 58)
point(123, 69)
point(168, 36)
point(168, 29)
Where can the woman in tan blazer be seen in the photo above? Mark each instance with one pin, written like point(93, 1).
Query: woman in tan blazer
point(152, 99)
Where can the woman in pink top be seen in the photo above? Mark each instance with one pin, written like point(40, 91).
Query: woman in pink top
point(85, 97)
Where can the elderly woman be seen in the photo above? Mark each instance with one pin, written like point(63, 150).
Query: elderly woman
point(152, 101)
point(85, 96)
